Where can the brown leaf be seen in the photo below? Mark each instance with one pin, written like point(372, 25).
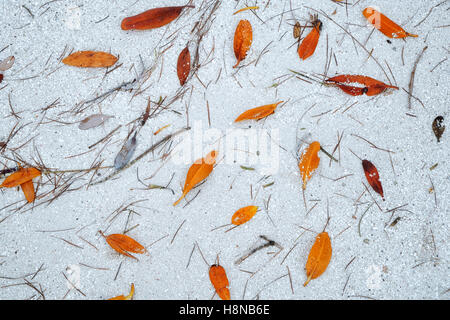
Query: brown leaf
point(90, 59)
point(370, 87)
point(243, 37)
point(184, 65)
point(153, 18)
point(438, 127)
point(7, 63)
point(20, 176)
point(28, 190)
point(219, 280)
point(319, 257)
point(198, 172)
point(372, 177)
point(258, 113)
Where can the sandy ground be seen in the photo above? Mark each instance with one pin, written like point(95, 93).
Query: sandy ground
point(45, 243)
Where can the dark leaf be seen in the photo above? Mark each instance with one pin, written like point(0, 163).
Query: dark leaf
point(438, 127)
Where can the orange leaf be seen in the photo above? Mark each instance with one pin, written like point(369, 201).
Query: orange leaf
point(371, 86)
point(309, 161)
point(153, 18)
point(128, 297)
point(28, 190)
point(20, 176)
point(124, 244)
point(219, 280)
point(184, 65)
point(246, 8)
point(309, 44)
point(258, 113)
point(388, 27)
point(198, 172)
point(319, 257)
point(90, 59)
point(373, 177)
point(243, 215)
point(243, 37)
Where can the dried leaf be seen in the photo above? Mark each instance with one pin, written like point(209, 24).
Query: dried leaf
point(297, 30)
point(124, 244)
point(219, 280)
point(28, 190)
point(153, 18)
point(243, 215)
point(7, 63)
point(90, 59)
point(372, 177)
point(258, 113)
point(125, 154)
point(243, 37)
point(1, 77)
point(370, 87)
point(438, 127)
point(309, 44)
point(93, 121)
point(184, 65)
point(389, 28)
point(309, 161)
point(128, 297)
point(198, 172)
point(20, 176)
point(319, 257)
point(246, 8)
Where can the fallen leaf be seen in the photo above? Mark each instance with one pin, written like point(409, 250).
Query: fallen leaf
point(128, 297)
point(309, 161)
point(198, 172)
point(125, 153)
point(153, 18)
point(307, 47)
point(90, 59)
point(389, 28)
point(20, 176)
point(7, 63)
point(243, 37)
point(243, 215)
point(370, 87)
point(28, 190)
point(438, 127)
point(124, 244)
point(246, 8)
point(258, 113)
point(372, 177)
point(93, 121)
point(184, 65)
point(219, 280)
point(297, 30)
point(319, 257)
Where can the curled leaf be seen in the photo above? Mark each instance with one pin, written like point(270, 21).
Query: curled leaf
point(243, 37)
point(124, 244)
point(28, 190)
point(258, 113)
point(128, 297)
point(246, 8)
point(309, 44)
point(125, 153)
point(438, 127)
point(7, 63)
point(243, 215)
point(153, 18)
point(90, 59)
point(20, 176)
point(388, 27)
point(319, 257)
point(93, 121)
point(184, 65)
point(373, 177)
point(198, 172)
point(369, 85)
point(219, 280)
point(309, 161)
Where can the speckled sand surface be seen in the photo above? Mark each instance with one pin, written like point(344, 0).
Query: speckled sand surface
point(405, 261)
